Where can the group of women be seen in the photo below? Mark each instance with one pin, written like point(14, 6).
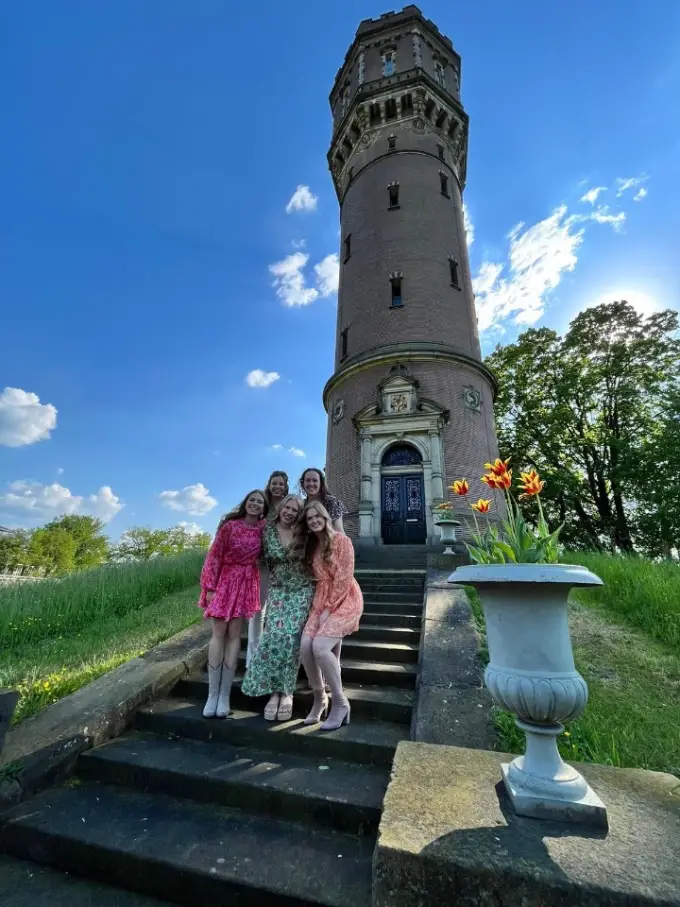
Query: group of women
point(284, 564)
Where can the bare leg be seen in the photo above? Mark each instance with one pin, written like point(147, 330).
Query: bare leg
point(324, 654)
point(215, 658)
point(231, 650)
point(315, 680)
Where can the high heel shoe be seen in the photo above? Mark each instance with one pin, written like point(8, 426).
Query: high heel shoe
point(340, 714)
point(319, 708)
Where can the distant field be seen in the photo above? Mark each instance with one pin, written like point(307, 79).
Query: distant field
point(58, 635)
point(627, 646)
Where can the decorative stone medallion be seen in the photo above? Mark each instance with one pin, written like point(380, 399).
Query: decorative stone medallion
point(472, 398)
point(338, 411)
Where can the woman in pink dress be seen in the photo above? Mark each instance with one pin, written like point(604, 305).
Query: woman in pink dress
point(336, 611)
point(230, 592)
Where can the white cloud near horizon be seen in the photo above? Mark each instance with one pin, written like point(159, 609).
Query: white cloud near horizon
point(302, 199)
point(469, 226)
point(592, 194)
point(24, 419)
point(193, 499)
point(261, 379)
point(45, 502)
point(291, 283)
point(190, 528)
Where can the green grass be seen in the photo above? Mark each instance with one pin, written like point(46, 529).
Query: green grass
point(640, 592)
point(633, 714)
point(58, 635)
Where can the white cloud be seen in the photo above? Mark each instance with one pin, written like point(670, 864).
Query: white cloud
point(623, 184)
point(328, 274)
point(277, 446)
point(538, 257)
point(297, 452)
point(105, 504)
point(602, 215)
point(291, 282)
point(592, 194)
point(469, 226)
point(299, 243)
point(258, 378)
point(190, 528)
point(60, 470)
point(302, 200)
point(193, 499)
point(47, 501)
point(640, 194)
point(24, 419)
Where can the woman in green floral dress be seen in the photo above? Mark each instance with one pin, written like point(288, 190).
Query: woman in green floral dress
point(274, 667)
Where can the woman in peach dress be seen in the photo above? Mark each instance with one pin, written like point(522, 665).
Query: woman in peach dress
point(336, 611)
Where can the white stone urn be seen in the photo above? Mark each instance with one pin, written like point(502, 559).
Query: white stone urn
point(531, 673)
point(447, 529)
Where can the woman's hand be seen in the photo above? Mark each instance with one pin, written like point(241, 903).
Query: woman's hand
point(209, 595)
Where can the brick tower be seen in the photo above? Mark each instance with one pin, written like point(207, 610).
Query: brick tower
point(410, 402)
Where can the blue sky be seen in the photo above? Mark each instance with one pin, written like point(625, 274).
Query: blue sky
point(151, 154)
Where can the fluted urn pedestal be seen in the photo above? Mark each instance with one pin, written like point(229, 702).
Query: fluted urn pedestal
point(447, 529)
point(531, 673)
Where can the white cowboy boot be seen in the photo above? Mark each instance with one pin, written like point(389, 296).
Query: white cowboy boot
point(223, 704)
point(214, 677)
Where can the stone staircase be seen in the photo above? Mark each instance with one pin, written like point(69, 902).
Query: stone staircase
point(234, 812)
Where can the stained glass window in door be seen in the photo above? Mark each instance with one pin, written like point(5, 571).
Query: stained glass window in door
point(402, 455)
point(414, 498)
point(392, 492)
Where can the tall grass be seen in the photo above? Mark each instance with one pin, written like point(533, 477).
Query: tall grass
point(50, 609)
point(643, 593)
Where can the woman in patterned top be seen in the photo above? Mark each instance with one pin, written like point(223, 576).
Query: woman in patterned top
point(274, 667)
point(314, 488)
point(275, 491)
point(230, 592)
point(336, 611)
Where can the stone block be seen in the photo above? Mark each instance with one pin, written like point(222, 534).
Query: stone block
point(449, 835)
point(449, 655)
point(454, 717)
point(8, 702)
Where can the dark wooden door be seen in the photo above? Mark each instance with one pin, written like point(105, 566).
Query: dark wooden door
point(403, 510)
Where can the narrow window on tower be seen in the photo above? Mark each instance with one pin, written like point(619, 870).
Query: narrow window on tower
point(389, 63)
point(440, 152)
point(343, 343)
point(393, 194)
point(453, 268)
point(390, 109)
point(444, 183)
point(397, 300)
point(392, 143)
point(348, 246)
point(345, 99)
point(440, 73)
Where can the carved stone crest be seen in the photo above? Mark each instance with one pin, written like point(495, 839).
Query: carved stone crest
point(472, 398)
point(338, 411)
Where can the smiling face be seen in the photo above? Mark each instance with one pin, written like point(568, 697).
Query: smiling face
point(255, 504)
point(311, 483)
point(277, 487)
point(316, 523)
point(289, 512)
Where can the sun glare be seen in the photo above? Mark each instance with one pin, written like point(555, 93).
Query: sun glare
point(644, 303)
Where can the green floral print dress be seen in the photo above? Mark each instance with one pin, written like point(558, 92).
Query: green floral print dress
point(274, 666)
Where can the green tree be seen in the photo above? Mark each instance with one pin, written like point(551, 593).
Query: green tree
point(582, 409)
point(143, 543)
point(14, 548)
point(53, 549)
point(91, 545)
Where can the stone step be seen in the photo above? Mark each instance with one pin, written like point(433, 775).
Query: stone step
point(398, 593)
point(378, 673)
point(330, 793)
point(386, 595)
point(365, 742)
point(387, 652)
point(388, 619)
point(369, 702)
point(191, 853)
point(26, 884)
point(414, 609)
point(377, 632)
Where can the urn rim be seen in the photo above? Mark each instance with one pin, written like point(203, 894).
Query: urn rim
point(533, 574)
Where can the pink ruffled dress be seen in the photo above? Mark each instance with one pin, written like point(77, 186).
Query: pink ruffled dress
point(231, 571)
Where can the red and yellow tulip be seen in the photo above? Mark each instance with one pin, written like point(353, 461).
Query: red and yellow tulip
point(531, 484)
point(460, 487)
point(481, 506)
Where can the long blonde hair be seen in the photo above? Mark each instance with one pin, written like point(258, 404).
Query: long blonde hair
point(297, 544)
point(311, 542)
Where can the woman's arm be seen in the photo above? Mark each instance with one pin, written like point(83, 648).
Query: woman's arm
point(338, 526)
point(210, 574)
point(343, 562)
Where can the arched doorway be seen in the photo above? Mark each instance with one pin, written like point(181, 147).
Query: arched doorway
point(403, 520)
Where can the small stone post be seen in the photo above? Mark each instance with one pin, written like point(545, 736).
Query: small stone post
point(8, 702)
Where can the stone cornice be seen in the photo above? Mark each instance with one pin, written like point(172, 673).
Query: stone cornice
point(409, 351)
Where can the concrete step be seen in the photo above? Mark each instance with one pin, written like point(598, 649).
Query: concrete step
point(386, 652)
point(390, 607)
point(330, 793)
point(388, 619)
point(191, 853)
point(378, 673)
point(368, 702)
point(26, 884)
point(370, 632)
point(387, 595)
point(365, 742)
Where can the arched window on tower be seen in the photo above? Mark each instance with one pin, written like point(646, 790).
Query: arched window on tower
point(389, 61)
point(402, 455)
point(440, 73)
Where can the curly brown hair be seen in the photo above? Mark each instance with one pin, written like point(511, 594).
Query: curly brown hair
point(311, 542)
point(278, 473)
point(239, 513)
